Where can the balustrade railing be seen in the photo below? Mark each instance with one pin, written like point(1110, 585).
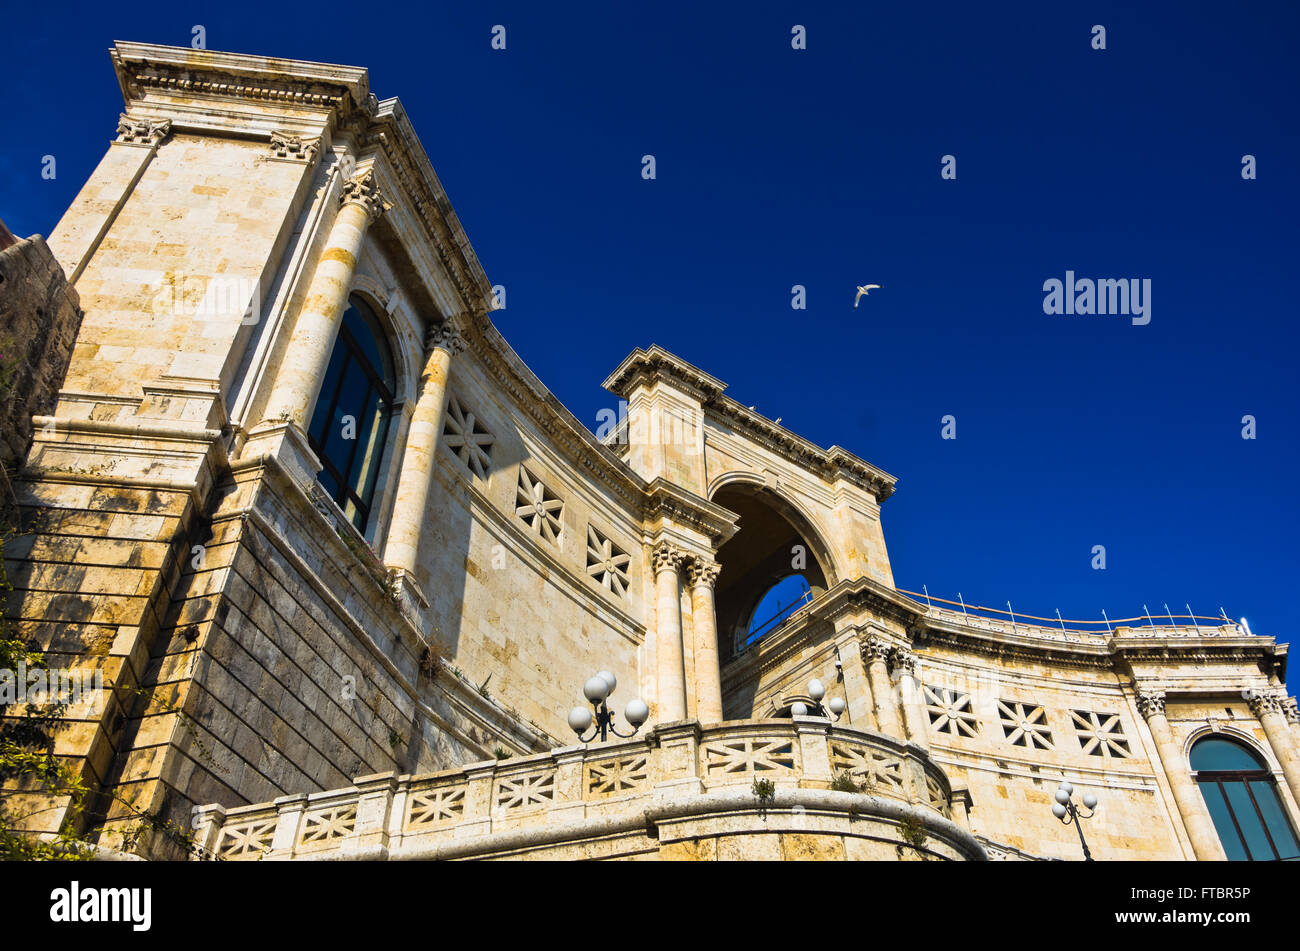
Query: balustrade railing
point(573, 784)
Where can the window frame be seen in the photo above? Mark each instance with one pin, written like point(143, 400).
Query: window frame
point(1244, 777)
point(354, 352)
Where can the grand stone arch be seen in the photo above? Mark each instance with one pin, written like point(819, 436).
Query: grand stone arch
point(775, 540)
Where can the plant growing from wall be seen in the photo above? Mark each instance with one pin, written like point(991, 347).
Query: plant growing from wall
point(914, 835)
point(844, 782)
point(764, 791)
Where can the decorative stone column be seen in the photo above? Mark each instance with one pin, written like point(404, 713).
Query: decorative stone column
point(1188, 798)
point(302, 369)
point(904, 662)
point(1268, 707)
point(1291, 711)
point(876, 652)
point(708, 675)
point(422, 436)
point(671, 665)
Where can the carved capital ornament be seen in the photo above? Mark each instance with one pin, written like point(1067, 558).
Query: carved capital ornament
point(1263, 702)
point(444, 336)
point(903, 661)
point(703, 573)
point(364, 190)
point(142, 131)
point(285, 145)
point(666, 558)
point(1150, 703)
point(875, 650)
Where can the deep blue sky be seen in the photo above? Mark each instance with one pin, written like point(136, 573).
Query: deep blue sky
point(821, 168)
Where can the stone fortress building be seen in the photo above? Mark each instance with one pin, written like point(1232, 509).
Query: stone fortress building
point(346, 564)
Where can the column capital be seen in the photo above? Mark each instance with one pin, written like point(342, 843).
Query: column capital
point(875, 649)
point(703, 572)
point(363, 189)
point(444, 336)
point(903, 660)
point(286, 145)
point(1263, 702)
point(666, 558)
point(1290, 710)
point(1150, 703)
point(142, 131)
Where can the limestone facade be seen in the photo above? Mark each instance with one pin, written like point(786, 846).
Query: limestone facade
point(296, 678)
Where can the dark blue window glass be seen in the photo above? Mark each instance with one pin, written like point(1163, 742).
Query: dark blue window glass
point(1243, 802)
point(350, 423)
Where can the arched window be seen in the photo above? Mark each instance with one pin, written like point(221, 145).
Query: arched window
point(1243, 802)
point(350, 424)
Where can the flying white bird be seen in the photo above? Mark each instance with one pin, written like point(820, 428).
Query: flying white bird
point(862, 292)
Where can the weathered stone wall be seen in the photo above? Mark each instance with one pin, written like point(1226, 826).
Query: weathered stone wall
point(39, 319)
point(189, 243)
point(282, 667)
point(510, 603)
point(1008, 719)
point(1012, 785)
point(92, 576)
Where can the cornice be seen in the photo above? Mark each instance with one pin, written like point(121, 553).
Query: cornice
point(645, 366)
point(144, 68)
point(1243, 649)
point(344, 105)
point(1019, 647)
point(819, 616)
point(665, 501)
point(535, 402)
point(642, 366)
point(428, 200)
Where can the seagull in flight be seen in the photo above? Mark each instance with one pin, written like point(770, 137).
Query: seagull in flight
point(862, 292)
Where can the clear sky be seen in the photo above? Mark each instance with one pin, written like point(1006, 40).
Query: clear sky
point(821, 167)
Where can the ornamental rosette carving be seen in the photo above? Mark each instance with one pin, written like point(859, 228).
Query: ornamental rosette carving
point(143, 131)
point(285, 145)
point(703, 573)
point(1263, 702)
point(1151, 703)
point(444, 336)
point(364, 190)
point(666, 558)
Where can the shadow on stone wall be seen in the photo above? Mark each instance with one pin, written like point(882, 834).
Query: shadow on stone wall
point(39, 319)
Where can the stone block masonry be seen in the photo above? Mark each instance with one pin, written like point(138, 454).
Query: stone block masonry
point(39, 319)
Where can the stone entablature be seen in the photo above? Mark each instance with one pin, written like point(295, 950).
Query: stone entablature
point(698, 781)
point(642, 367)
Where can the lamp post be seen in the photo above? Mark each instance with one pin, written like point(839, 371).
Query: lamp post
point(832, 709)
point(597, 690)
point(1065, 810)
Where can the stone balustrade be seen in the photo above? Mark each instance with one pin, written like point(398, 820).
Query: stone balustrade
point(698, 781)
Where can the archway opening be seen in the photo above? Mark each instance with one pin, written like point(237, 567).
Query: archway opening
point(774, 565)
point(782, 599)
point(1243, 802)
